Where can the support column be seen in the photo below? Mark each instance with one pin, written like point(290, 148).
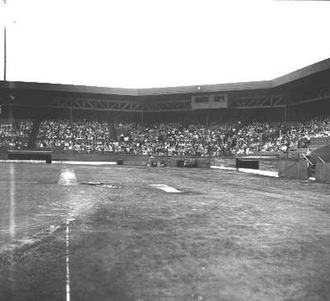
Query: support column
point(285, 114)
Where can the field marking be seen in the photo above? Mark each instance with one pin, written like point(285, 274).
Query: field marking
point(67, 177)
point(12, 209)
point(19, 182)
point(22, 161)
point(223, 167)
point(67, 276)
point(67, 260)
point(166, 188)
point(267, 173)
point(96, 163)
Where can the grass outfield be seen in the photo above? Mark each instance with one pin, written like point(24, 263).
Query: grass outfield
point(226, 236)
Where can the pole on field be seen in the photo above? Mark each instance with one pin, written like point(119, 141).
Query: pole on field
point(4, 49)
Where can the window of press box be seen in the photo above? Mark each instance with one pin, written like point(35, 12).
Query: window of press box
point(219, 98)
point(201, 99)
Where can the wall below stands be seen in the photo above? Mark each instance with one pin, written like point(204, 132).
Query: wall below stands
point(293, 169)
point(322, 153)
point(135, 160)
point(323, 172)
point(265, 163)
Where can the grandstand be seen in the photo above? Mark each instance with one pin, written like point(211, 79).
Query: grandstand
point(83, 228)
point(201, 121)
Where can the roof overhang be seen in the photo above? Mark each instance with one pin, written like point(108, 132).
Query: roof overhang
point(242, 86)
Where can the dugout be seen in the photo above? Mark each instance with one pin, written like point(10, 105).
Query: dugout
point(29, 155)
point(247, 163)
point(186, 162)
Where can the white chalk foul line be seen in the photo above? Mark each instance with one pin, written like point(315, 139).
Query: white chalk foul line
point(12, 214)
point(267, 173)
point(223, 167)
point(22, 161)
point(96, 163)
point(166, 188)
point(67, 261)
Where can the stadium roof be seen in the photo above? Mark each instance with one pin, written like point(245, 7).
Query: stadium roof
point(255, 85)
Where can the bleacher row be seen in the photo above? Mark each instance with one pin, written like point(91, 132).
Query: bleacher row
point(169, 139)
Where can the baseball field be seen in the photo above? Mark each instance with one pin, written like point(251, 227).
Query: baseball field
point(78, 232)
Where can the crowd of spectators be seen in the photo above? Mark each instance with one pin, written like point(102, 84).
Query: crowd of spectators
point(15, 135)
point(79, 136)
point(169, 139)
point(175, 139)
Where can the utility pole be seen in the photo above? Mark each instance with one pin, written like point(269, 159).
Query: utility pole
point(4, 49)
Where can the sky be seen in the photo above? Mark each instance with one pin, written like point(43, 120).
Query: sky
point(161, 43)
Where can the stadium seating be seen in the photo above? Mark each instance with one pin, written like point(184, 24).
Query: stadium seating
point(15, 134)
point(163, 139)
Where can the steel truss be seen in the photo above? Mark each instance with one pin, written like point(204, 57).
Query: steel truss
point(316, 95)
point(83, 103)
point(258, 101)
point(77, 102)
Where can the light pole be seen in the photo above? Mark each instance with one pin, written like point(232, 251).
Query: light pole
point(11, 98)
point(4, 49)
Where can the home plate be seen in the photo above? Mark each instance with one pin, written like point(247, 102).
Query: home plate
point(166, 188)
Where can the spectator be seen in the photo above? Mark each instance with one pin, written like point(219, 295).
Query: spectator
point(15, 135)
point(174, 139)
